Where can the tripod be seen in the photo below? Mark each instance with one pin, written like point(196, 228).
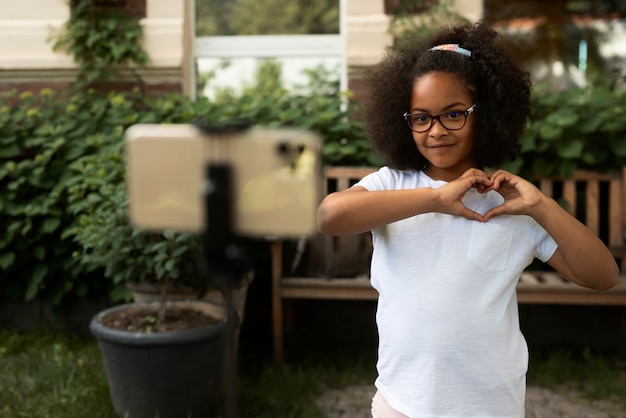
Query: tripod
point(228, 265)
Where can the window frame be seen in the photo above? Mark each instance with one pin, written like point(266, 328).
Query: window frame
point(273, 46)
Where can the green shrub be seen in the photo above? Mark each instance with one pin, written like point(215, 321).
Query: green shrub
point(575, 128)
point(62, 166)
point(40, 136)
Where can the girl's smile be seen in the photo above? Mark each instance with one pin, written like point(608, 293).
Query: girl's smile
point(440, 147)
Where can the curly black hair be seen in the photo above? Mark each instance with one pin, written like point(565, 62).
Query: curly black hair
point(499, 87)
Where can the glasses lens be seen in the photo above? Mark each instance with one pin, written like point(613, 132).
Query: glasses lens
point(450, 120)
point(419, 123)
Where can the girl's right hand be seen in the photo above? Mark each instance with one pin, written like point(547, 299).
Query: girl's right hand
point(451, 194)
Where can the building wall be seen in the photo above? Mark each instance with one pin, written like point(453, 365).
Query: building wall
point(27, 60)
point(27, 57)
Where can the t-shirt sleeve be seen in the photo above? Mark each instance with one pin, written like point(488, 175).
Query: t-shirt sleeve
point(378, 180)
point(546, 246)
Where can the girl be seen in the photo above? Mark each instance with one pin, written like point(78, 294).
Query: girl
point(450, 239)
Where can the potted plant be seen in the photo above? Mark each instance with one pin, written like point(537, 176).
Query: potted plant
point(162, 357)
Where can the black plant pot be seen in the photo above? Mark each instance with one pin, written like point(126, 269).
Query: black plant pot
point(165, 375)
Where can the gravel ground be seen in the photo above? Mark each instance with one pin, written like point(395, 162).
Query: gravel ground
point(354, 402)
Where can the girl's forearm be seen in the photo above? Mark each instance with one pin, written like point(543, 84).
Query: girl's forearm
point(590, 261)
point(355, 211)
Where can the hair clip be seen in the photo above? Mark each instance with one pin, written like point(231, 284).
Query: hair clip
point(453, 48)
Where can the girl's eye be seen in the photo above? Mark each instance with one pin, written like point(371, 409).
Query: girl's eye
point(421, 119)
point(454, 115)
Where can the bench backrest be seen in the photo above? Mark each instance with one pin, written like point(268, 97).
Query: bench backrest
point(596, 199)
point(342, 177)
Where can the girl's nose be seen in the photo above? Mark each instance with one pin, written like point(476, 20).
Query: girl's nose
point(437, 129)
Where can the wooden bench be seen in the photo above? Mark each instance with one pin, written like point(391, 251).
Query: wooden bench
point(594, 198)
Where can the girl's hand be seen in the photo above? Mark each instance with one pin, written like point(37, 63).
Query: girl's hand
point(521, 197)
point(451, 194)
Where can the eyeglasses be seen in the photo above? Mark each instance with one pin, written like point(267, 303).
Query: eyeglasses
point(453, 121)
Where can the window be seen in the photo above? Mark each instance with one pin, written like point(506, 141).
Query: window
point(565, 43)
point(235, 37)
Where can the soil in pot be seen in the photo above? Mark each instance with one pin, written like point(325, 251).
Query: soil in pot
point(151, 292)
point(145, 319)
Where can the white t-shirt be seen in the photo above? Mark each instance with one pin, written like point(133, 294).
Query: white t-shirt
point(448, 323)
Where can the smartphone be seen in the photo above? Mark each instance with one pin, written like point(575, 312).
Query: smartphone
point(275, 186)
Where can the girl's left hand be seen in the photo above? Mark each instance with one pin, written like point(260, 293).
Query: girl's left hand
point(521, 197)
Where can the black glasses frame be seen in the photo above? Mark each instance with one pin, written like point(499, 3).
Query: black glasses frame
point(433, 118)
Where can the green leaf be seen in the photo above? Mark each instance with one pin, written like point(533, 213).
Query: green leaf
point(36, 280)
point(7, 259)
point(619, 147)
point(594, 158)
point(50, 225)
point(544, 168)
point(571, 149)
point(550, 132)
point(567, 167)
point(58, 291)
point(563, 119)
point(528, 142)
point(591, 124)
point(513, 166)
point(40, 252)
point(9, 151)
point(120, 293)
point(615, 125)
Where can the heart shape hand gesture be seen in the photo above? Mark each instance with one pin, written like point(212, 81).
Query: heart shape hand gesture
point(520, 196)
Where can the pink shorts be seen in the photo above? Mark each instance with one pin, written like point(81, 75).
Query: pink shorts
point(381, 409)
